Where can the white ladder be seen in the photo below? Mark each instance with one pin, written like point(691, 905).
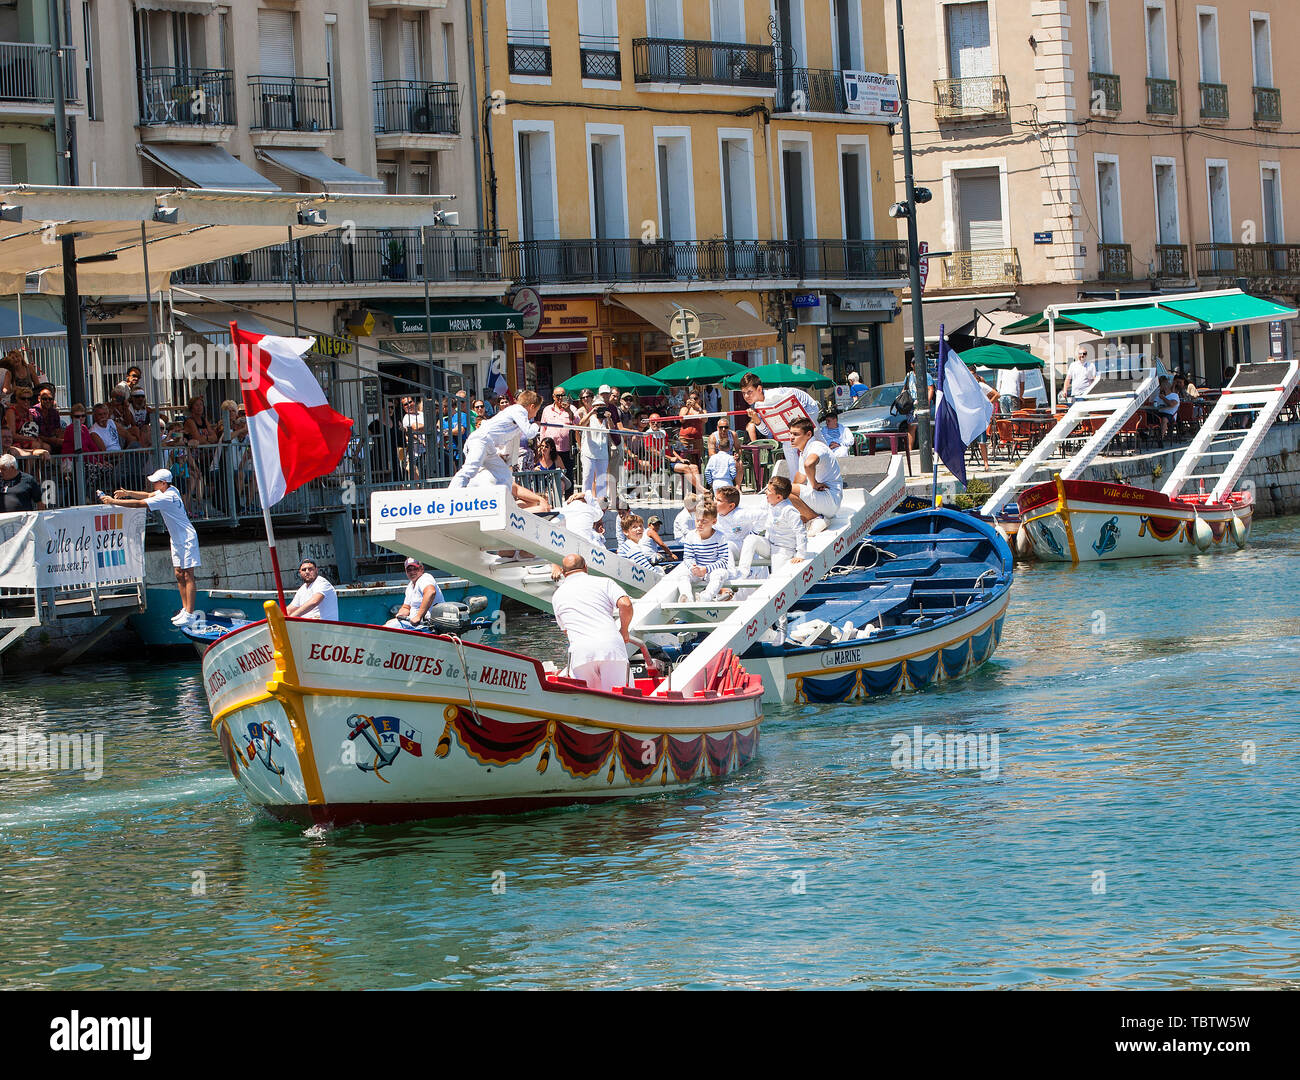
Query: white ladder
point(1258, 389)
point(736, 624)
point(1117, 407)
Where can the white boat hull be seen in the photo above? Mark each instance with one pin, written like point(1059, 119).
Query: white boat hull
point(331, 722)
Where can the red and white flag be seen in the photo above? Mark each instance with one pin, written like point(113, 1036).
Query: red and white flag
point(294, 434)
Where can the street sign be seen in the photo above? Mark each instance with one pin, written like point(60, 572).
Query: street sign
point(922, 248)
point(681, 351)
point(684, 324)
point(807, 299)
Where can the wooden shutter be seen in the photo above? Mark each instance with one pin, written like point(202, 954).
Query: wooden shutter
point(970, 54)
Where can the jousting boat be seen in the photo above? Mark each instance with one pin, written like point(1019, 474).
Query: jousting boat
point(339, 723)
point(1087, 521)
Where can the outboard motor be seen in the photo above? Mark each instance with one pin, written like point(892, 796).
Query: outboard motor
point(450, 618)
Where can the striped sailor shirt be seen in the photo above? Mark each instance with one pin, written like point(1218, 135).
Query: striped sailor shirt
point(711, 554)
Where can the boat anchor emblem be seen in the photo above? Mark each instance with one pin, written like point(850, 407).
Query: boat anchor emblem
point(1108, 538)
point(261, 740)
point(386, 736)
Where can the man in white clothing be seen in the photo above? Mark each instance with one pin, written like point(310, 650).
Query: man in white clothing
point(185, 541)
point(422, 593)
point(315, 598)
point(684, 522)
point(818, 489)
point(1081, 376)
point(595, 615)
point(751, 389)
point(584, 516)
point(484, 446)
point(1011, 388)
point(786, 538)
point(734, 524)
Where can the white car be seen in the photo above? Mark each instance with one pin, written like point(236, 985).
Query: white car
point(873, 412)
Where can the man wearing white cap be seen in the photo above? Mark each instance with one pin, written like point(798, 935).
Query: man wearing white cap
point(185, 541)
point(422, 593)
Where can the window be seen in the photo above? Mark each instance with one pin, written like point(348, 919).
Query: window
point(855, 190)
point(798, 188)
point(535, 174)
point(663, 19)
point(1099, 36)
point(1157, 50)
point(93, 90)
point(6, 164)
point(674, 182)
point(1262, 49)
point(598, 40)
point(1110, 215)
point(1270, 179)
point(979, 209)
point(277, 52)
point(739, 213)
point(1166, 190)
point(1216, 178)
point(970, 52)
point(331, 68)
point(846, 35)
point(449, 52)
point(728, 20)
point(607, 181)
point(412, 51)
point(528, 41)
point(1207, 22)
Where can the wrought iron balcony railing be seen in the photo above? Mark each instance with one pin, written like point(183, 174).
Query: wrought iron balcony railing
point(528, 52)
point(810, 90)
point(27, 70)
point(989, 266)
point(1162, 97)
point(597, 261)
point(600, 57)
point(971, 99)
point(1116, 262)
point(291, 103)
point(173, 95)
point(1214, 101)
point(1171, 263)
point(405, 106)
point(1251, 261)
point(1268, 105)
point(1105, 92)
point(373, 256)
point(695, 63)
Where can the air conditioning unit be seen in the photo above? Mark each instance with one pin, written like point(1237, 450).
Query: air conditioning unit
point(813, 316)
point(422, 119)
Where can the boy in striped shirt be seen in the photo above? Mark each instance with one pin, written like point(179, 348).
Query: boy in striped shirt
point(706, 557)
point(786, 538)
point(630, 547)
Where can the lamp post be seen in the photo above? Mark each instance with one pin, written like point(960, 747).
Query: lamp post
point(907, 209)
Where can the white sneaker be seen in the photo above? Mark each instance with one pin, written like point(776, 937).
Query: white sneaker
point(818, 524)
point(192, 619)
point(180, 617)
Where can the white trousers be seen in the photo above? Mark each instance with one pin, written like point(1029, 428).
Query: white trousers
point(602, 674)
point(479, 455)
point(713, 584)
point(791, 461)
point(595, 476)
point(758, 545)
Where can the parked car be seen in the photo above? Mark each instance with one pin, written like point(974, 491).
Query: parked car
point(873, 411)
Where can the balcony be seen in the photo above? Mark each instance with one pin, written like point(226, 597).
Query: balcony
point(704, 63)
point(290, 103)
point(600, 57)
point(982, 98)
point(814, 91)
point(528, 52)
point(185, 97)
point(1214, 101)
point(407, 107)
point(1254, 262)
point(375, 256)
point(1268, 104)
point(1162, 97)
point(605, 261)
point(27, 73)
point(1116, 262)
point(989, 266)
point(1171, 263)
point(1105, 92)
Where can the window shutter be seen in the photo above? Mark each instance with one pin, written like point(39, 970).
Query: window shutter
point(981, 212)
point(275, 43)
point(969, 52)
point(6, 164)
point(411, 50)
point(376, 44)
point(664, 19)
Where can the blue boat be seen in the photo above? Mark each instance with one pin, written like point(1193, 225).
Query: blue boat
point(921, 601)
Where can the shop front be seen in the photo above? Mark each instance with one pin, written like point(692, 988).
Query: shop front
point(464, 338)
point(851, 334)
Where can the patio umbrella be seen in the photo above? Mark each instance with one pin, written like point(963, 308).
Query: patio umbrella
point(1000, 356)
point(618, 378)
point(782, 375)
point(699, 369)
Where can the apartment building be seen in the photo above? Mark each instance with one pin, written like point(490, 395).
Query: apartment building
point(295, 95)
point(1095, 148)
point(714, 155)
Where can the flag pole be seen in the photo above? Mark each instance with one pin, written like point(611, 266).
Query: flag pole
point(257, 474)
point(934, 427)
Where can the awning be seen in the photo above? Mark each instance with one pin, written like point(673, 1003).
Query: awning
point(207, 167)
point(215, 326)
point(448, 317)
point(950, 314)
point(1111, 322)
point(725, 326)
point(33, 325)
point(323, 169)
point(545, 345)
point(185, 7)
point(1231, 310)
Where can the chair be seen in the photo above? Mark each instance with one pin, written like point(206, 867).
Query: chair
point(1185, 421)
point(1012, 438)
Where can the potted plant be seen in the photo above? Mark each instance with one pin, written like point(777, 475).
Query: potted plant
point(396, 264)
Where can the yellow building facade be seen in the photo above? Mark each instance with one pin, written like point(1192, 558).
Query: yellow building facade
point(709, 154)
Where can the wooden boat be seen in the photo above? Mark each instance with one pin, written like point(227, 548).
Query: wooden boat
point(920, 602)
point(339, 723)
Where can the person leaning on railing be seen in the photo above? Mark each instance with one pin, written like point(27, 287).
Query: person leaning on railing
point(21, 434)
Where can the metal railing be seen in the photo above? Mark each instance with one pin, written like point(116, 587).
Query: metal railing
point(419, 108)
point(1254, 261)
point(1105, 92)
point(371, 256)
point(991, 266)
point(1214, 101)
point(600, 57)
point(1171, 263)
point(172, 95)
point(290, 103)
point(810, 90)
point(694, 63)
point(27, 70)
point(704, 260)
point(1116, 262)
point(528, 52)
point(1162, 97)
point(971, 99)
point(1268, 104)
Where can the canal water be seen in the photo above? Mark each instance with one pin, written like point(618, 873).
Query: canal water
point(1136, 828)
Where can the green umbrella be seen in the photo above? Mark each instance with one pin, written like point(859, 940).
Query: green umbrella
point(782, 375)
point(698, 369)
point(618, 378)
point(1000, 356)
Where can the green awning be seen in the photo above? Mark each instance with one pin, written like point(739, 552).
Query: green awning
point(1231, 309)
point(1000, 356)
point(1110, 322)
point(450, 317)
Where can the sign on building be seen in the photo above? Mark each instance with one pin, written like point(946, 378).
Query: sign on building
point(868, 93)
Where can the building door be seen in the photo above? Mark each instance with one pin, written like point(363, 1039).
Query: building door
point(1220, 216)
point(1110, 224)
point(1157, 65)
point(1167, 204)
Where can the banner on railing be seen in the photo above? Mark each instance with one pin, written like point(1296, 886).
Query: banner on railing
point(870, 94)
point(78, 547)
